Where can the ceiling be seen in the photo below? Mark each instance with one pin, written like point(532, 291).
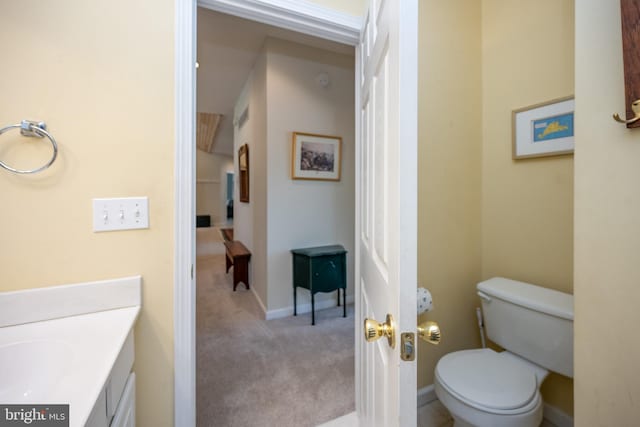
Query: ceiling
point(227, 49)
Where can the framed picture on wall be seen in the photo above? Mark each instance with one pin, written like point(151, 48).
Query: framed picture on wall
point(243, 168)
point(544, 129)
point(316, 157)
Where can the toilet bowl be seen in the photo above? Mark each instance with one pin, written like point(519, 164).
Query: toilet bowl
point(484, 388)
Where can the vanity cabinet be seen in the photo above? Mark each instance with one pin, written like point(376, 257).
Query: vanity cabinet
point(115, 406)
point(125, 415)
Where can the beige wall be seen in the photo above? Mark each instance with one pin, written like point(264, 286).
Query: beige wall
point(259, 180)
point(284, 214)
point(607, 235)
point(481, 214)
point(449, 154)
point(351, 7)
point(527, 220)
point(307, 213)
point(250, 219)
point(226, 47)
point(103, 81)
point(211, 185)
point(106, 72)
point(527, 205)
point(242, 211)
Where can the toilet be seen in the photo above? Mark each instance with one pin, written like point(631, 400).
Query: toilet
point(486, 388)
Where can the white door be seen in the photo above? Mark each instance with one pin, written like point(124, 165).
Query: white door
point(386, 188)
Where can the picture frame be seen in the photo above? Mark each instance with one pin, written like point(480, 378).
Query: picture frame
point(243, 175)
point(316, 157)
point(545, 129)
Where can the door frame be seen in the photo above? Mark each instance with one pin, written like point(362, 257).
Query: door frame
point(296, 15)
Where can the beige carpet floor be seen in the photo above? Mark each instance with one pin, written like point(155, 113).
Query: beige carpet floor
point(209, 241)
point(252, 372)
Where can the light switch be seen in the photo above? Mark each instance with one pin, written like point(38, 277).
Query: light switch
point(126, 213)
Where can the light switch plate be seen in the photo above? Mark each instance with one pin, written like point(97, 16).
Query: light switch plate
point(126, 213)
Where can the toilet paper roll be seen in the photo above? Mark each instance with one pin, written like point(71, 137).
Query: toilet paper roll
point(425, 301)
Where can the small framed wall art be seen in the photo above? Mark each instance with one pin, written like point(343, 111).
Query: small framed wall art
point(544, 129)
point(317, 157)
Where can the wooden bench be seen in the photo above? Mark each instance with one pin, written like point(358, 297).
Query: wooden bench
point(238, 257)
point(227, 234)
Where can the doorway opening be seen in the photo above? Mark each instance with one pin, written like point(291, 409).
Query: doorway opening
point(229, 199)
point(253, 357)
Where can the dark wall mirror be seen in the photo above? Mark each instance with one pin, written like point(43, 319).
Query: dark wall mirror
point(243, 161)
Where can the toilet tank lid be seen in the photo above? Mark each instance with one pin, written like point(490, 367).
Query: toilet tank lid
point(533, 297)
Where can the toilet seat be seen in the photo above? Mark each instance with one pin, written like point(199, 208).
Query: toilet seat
point(489, 381)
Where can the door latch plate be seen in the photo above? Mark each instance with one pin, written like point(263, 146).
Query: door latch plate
point(408, 346)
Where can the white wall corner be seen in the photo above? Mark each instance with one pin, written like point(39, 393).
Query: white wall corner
point(260, 303)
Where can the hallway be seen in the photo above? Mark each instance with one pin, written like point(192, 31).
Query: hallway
point(252, 372)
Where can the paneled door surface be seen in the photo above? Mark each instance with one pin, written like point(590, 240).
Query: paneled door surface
point(386, 220)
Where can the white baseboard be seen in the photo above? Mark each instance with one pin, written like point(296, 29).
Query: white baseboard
point(304, 308)
point(349, 420)
point(552, 414)
point(556, 417)
point(426, 395)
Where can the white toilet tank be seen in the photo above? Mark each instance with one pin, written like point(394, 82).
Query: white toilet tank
point(533, 322)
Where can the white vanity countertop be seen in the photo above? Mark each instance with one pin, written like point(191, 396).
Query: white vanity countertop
point(63, 360)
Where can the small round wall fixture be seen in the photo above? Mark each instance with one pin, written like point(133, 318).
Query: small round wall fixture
point(323, 80)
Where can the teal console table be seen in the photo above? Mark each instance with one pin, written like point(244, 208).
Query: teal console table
point(320, 269)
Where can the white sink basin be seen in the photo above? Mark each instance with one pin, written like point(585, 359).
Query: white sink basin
point(63, 361)
point(27, 375)
point(59, 344)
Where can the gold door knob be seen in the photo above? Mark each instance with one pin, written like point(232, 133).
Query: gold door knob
point(430, 332)
point(374, 330)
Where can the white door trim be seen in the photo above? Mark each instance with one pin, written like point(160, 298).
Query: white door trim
point(296, 15)
point(408, 94)
point(357, 228)
point(184, 339)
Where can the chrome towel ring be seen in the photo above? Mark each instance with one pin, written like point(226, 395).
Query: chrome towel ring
point(32, 129)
